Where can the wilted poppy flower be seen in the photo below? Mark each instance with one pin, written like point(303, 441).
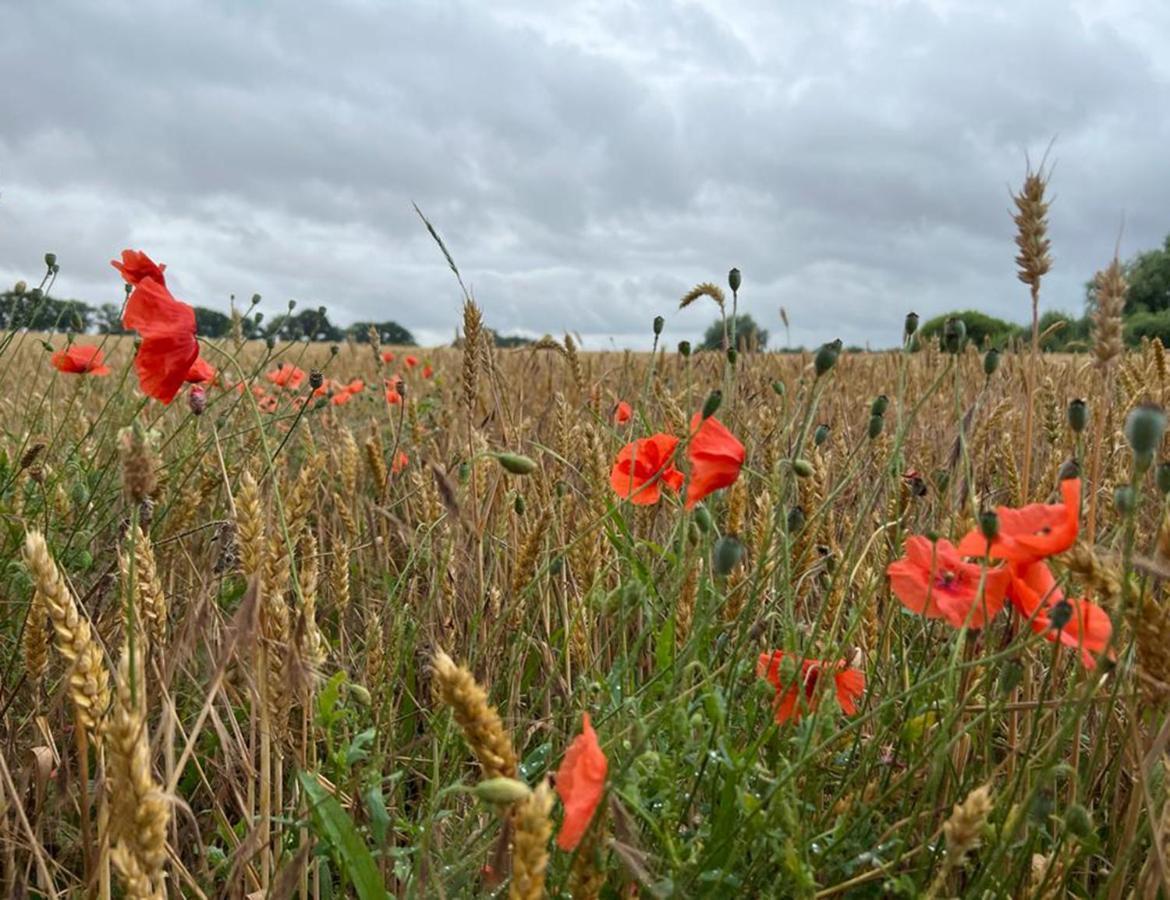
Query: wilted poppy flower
point(1032, 532)
point(392, 395)
point(934, 580)
point(1036, 595)
point(401, 461)
point(200, 372)
point(427, 371)
point(848, 682)
point(267, 404)
point(411, 361)
point(715, 455)
point(168, 348)
point(623, 412)
point(80, 360)
point(136, 266)
point(643, 466)
point(286, 376)
point(580, 782)
point(387, 356)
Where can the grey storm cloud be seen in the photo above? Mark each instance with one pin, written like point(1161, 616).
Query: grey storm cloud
point(585, 162)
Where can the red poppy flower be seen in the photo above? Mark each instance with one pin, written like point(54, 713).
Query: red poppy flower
point(168, 348)
point(848, 682)
point(200, 372)
point(401, 461)
point(411, 361)
point(1036, 595)
point(580, 782)
point(136, 265)
point(1031, 532)
point(392, 395)
point(387, 356)
point(623, 412)
point(427, 371)
point(267, 404)
point(286, 376)
point(933, 580)
point(715, 455)
point(356, 386)
point(326, 386)
point(341, 398)
point(80, 360)
point(643, 466)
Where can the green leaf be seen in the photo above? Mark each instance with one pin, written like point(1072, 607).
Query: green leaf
point(334, 827)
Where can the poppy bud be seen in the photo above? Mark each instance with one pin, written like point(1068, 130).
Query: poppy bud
point(197, 399)
point(556, 564)
point(732, 355)
point(880, 404)
point(1162, 477)
point(1125, 499)
point(659, 323)
point(734, 279)
point(1010, 676)
point(20, 287)
point(954, 334)
point(876, 424)
point(292, 304)
point(1059, 614)
point(1079, 821)
point(803, 468)
point(795, 519)
point(778, 388)
point(712, 404)
point(316, 379)
point(821, 434)
point(270, 341)
point(321, 311)
point(703, 518)
point(501, 790)
point(911, 323)
point(36, 293)
point(516, 463)
point(1078, 415)
point(519, 505)
point(1070, 468)
point(825, 359)
point(334, 349)
point(1144, 427)
point(989, 524)
point(727, 554)
point(50, 260)
point(990, 362)
point(684, 349)
point(259, 317)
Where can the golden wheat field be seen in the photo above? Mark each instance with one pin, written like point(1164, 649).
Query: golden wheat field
point(362, 621)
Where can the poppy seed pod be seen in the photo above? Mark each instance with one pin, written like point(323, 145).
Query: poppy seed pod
point(796, 519)
point(684, 349)
point(703, 518)
point(826, 358)
point(954, 334)
point(727, 554)
point(50, 260)
point(1078, 415)
point(1162, 476)
point(659, 324)
point(989, 524)
point(821, 434)
point(1144, 427)
point(316, 379)
point(270, 341)
point(1125, 499)
point(876, 424)
point(911, 325)
point(292, 304)
point(1070, 468)
point(990, 362)
point(732, 355)
point(516, 463)
point(1059, 614)
point(880, 404)
point(711, 406)
point(734, 279)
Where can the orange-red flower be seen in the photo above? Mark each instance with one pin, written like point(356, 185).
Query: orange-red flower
point(387, 356)
point(401, 461)
point(1036, 595)
point(341, 398)
point(356, 386)
point(392, 395)
point(201, 372)
point(848, 682)
point(80, 360)
point(580, 782)
point(168, 348)
point(1032, 532)
point(411, 361)
point(267, 403)
point(934, 580)
point(286, 376)
point(715, 455)
point(136, 265)
point(623, 412)
point(643, 466)
point(427, 371)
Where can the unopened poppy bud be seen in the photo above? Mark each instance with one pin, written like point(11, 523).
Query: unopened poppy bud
point(954, 334)
point(1078, 415)
point(292, 304)
point(321, 311)
point(259, 317)
point(50, 260)
point(703, 518)
point(732, 355)
point(270, 341)
point(880, 404)
point(778, 388)
point(36, 293)
point(659, 324)
point(795, 519)
point(876, 424)
point(556, 564)
point(803, 468)
point(1079, 821)
point(1144, 427)
point(1162, 477)
point(316, 379)
point(821, 434)
point(1059, 614)
point(989, 524)
point(359, 693)
point(501, 790)
point(711, 406)
point(197, 399)
point(990, 362)
point(334, 349)
point(825, 359)
point(20, 287)
point(1125, 499)
point(516, 463)
point(519, 505)
point(727, 554)
point(911, 323)
point(734, 279)
point(684, 349)
point(464, 472)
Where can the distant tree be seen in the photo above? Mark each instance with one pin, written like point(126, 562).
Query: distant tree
point(37, 312)
point(510, 341)
point(211, 323)
point(1147, 324)
point(982, 329)
point(109, 319)
point(748, 335)
point(1072, 335)
point(388, 333)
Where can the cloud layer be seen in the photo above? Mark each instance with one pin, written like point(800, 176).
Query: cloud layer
point(585, 162)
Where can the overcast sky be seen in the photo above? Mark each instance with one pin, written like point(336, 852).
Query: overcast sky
point(585, 162)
